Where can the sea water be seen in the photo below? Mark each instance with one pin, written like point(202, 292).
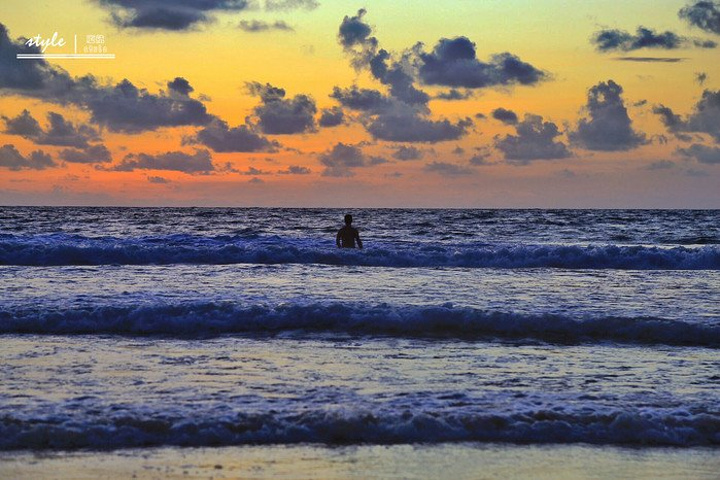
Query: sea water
point(141, 328)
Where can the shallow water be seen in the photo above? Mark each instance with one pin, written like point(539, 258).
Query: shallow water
point(145, 328)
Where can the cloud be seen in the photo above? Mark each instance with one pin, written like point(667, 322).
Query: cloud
point(620, 40)
point(673, 122)
point(129, 109)
point(199, 162)
point(362, 99)
point(284, 5)
point(453, 63)
point(60, 132)
point(92, 154)
point(394, 74)
point(257, 26)
point(340, 160)
point(357, 41)
point(661, 165)
point(185, 15)
point(480, 160)
point(535, 140)
point(447, 169)
point(180, 86)
point(158, 180)
point(253, 171)
point(122, 107)
point(608, 127)
point(702, 153)
point(705, 117)
point(405, 153)
point(331, 117)
point(12, 159)
point(703, 14)
point(651, 59)
point(403, 127)
point(356, 38)
point(24, 125)
point(295, 170)
point(454, 94)
point(34, 75)
point(220, 138)
point(508, 117)
point(280, 116)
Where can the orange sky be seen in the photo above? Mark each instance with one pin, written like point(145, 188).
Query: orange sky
point(476, 161)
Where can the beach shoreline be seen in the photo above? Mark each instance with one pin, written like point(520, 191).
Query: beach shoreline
point(447, 460)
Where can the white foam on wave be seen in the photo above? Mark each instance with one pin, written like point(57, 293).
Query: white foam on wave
point(54, 250)
point(203, 319)
point(634, 427)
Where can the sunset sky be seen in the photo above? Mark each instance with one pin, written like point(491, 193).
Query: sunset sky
point(455, 103)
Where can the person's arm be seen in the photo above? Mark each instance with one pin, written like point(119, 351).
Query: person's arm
point(357, 237)
point(337, 238)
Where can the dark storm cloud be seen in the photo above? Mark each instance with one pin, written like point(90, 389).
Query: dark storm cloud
point(331, 117)
point(199, 162)
point(704, 15)
point(705, 117)
point(362, 99)
point(621, 40)
point(340, 160)
point(295, 170)
point(405, 153)
point(508, 117)
point(452, 63)
point(608, 127)
point(535, 140)
point(183, 15)
point(257, 26)
point(702, 153)
point(60, 132)
point(92, 154)
point(447, 169)
point(402, 127)
point(220, 138)
point(11, 159)
point(280, 116)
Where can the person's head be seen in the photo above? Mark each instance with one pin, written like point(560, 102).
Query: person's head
point(348, 219)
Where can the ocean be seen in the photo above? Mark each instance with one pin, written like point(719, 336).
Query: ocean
point(453, 333)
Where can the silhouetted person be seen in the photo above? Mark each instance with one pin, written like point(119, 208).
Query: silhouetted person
point(347, 236)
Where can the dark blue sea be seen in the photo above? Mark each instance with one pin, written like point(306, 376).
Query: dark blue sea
point(142, 328)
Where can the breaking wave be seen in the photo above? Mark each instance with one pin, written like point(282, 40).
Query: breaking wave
point(61, 249)
point(130, 429)
point(207, 319)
